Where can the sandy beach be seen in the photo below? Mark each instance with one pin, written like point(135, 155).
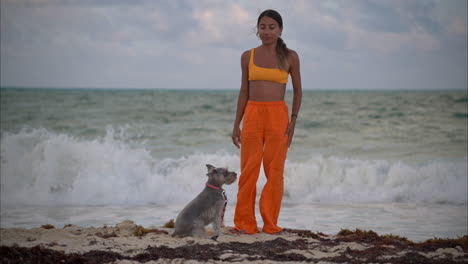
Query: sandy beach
point(127, 242)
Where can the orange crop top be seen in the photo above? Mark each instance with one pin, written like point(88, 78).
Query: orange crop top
point(265, 74)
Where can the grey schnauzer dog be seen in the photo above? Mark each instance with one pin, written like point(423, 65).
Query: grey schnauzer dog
point(208, 207)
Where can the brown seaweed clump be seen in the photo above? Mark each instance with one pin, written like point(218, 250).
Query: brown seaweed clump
point(40, 254)
point(106, 236)
point(378, 249)
point(170, 224)
point(361, 236)
point(435, 243)
point(306, 233)
point(370, 237)
point(47, 226)
point(141, 231)
point(278, 249)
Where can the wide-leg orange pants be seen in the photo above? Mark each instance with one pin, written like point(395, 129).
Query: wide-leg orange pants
point(264, 137)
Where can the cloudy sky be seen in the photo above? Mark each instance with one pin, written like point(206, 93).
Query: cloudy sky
point(196, 44)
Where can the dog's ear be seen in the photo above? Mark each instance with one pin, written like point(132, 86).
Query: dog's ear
point(211, 168)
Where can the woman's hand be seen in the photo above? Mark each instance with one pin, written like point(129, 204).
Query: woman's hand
point(290, 131)
point(236, 136)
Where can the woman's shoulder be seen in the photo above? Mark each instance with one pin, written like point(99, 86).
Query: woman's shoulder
point(246, 55)
point(247, 52)
point(292, 53)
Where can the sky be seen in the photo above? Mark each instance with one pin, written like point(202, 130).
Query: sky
point(197, 44)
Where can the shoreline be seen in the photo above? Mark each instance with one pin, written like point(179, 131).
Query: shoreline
point(127, 242)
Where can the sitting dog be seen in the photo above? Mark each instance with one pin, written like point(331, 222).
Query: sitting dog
point(208, 207)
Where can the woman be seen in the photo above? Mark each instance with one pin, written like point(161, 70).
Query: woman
point(266, 130)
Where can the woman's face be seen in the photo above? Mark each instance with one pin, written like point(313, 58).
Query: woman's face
point(268, 30)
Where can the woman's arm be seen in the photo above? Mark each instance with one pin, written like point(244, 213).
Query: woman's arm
point(242, 99)
point(295, 72)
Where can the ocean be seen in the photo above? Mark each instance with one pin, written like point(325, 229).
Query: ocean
point(391, 161)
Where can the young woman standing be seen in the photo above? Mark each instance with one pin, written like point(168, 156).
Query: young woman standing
point(267, 130)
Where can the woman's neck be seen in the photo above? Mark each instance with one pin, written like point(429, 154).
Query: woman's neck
point(270, 48)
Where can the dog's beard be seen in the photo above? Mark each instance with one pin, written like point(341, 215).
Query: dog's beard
point(231, 181)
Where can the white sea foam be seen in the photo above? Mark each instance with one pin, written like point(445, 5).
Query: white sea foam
point(39, 167)
point(333, 180)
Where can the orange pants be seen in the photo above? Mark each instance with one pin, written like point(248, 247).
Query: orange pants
point(262, 137)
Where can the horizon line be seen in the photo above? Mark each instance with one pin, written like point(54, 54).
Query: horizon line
point(225, 89)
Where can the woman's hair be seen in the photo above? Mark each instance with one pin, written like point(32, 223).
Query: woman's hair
point(282, 51)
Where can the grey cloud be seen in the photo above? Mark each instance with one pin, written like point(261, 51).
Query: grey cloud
point(395, 16)
point(380, 16)
point(163, 44)
point(327, 38)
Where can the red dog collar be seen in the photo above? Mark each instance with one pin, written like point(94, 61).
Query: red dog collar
point(213, 187)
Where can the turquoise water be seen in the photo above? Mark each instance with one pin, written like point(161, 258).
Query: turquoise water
point(148, 148)
point(398, 125)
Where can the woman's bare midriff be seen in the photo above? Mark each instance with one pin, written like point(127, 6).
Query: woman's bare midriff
point(266, 91)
